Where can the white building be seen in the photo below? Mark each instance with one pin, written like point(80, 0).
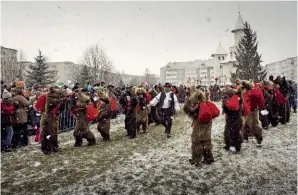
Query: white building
point(204, 72)
point(286, 67)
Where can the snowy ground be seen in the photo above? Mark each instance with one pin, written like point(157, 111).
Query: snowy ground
point(153, 164)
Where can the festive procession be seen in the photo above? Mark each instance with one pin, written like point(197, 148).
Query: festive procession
point(248, 106)
point(149, 98)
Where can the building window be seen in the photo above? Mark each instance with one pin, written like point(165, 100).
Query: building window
point(218, 57)
point(223, 58)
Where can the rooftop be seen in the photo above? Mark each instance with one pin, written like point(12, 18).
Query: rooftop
point(239, 24)
point(8, 48)
point(219, 51)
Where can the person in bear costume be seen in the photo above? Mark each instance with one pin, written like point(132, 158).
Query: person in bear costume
point(50, 105)
point(233, 128)
point(270, 103)
point(79, 104)
point(104, 117)
point(128, 101)
point(255, 100)
point(142, 110)
point(153, 115)
point(280, 93)
point(201, 146)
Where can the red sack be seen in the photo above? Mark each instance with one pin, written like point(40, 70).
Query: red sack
point(246, 109)
point(214, 110)
point(113, 105)
point(233, 103)
point(205, 114)
point(148, 97)
point(280, 99)
point(40, 104)
point(138, 107)
point(91, 112)
point(256, 98)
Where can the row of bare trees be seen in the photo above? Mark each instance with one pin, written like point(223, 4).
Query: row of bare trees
point(98, 67)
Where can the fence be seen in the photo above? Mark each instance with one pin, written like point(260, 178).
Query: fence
point(66, 119)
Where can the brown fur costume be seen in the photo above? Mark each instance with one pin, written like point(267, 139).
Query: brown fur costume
point(234, 124)
point(268, 106)
point(201, 135)
point(49, 120)
point(142, 113)
point(153, 116)
point(252, 121)
point(104, 117)
point(82, 125)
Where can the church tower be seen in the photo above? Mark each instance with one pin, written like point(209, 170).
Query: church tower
point(238, 30)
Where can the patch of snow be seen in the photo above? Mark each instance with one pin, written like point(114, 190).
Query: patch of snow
point(37, 164)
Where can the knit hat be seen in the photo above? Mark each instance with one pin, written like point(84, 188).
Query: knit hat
point(20, 84)
point(6, 94)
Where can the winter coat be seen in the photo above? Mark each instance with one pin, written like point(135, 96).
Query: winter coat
point(7, 111)
point(21, 106)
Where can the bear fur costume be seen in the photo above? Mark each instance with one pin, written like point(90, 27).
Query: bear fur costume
point(153, 115)
point(252, 120)
point(49, 122)
point(283, 109)
point(234, 122)
point(104, 117)
point(142, 110)
point(201, 135)
point(272, 106)
point(128, 101)
point(268, 107)
point(81, 130)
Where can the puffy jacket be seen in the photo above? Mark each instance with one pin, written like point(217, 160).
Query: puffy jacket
point(6, 113)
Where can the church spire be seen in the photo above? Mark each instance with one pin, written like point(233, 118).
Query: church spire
point(220, 50)
point(239, 24)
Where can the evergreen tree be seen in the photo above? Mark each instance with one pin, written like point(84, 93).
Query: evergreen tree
point(248, 59)
point(85, 75)
point(40, 72)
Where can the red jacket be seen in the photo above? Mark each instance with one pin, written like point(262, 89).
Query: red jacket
point(6, 113)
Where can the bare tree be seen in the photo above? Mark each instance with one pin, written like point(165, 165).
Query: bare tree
point(9, 65)
point(95, 58)
point(21, 65)
point(149, 77)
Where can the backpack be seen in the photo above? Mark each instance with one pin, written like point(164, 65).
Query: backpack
point(233, 103)
point(205, 114)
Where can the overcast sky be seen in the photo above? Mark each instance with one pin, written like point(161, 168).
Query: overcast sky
point(140, 35)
